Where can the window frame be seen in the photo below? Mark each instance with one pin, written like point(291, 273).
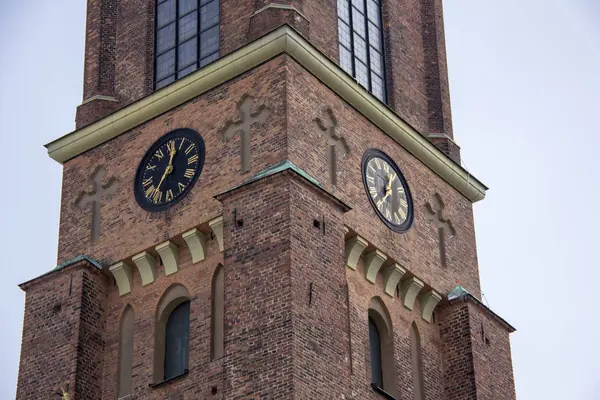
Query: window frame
point(369, 48)
point(177, 44)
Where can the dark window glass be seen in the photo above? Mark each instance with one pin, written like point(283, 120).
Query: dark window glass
point(375, 347)
point(361, 44)
point(177, 341)
point(187, 38)
point(185, 6)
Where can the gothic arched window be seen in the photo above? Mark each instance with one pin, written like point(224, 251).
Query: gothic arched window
point(171, 350)
point(177, 339)
point(360, 37)
point(125, 368)
point(417, 363)
point(217, 314)
point(187, 38)
point(381, 348)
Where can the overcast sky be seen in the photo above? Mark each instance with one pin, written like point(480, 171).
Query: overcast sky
point(525, 97)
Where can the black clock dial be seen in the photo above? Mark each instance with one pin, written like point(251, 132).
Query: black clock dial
point(387, 190)
point(169, 169)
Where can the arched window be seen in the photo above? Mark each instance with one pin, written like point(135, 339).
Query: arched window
point(171, 350)
point(417, 363)
point(361, 43)
point(187, 38)
point(381, 348)
point(125, 367)
point(217, 314)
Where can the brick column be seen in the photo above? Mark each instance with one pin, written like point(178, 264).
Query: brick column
point(285, 297)
point(63, 333)
point(269, 15)
point(99, 66)
point(476, 352)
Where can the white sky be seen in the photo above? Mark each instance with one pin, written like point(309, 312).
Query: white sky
point(525, 96)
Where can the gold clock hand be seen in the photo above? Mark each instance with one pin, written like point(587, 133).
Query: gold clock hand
point(169, 168)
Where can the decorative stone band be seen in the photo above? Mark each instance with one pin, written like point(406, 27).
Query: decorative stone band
point(168, 251)
point(283, 40)
point(393, 274)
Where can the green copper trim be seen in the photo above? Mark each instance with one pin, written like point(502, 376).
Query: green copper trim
point(76, 259)
point(460, 292)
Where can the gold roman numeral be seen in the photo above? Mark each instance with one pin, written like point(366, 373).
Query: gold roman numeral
point(181, 187)
point(189, 173)
point(150, 167)
point(171, 146)
point(370, 179)
point(157, 196)
point(402, 213)
point(403, 203)
point(378, 163)
point(147, 181)
point(150, 191)
point(379, 204)
point(159, 154)
point(193, 159)
point(388, 215)
point(386, 168)
point(190, 148)
point(401, 191)
point(181, 144)
point(397, 218)
point(373, 191)
point(169, 196)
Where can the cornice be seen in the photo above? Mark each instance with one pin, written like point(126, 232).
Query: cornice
point(282, 40)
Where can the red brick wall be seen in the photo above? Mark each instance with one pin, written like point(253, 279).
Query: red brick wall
point(63, 334)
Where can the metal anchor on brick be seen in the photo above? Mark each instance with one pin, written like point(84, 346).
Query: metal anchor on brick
point(327, 128)
point(243, 125)
point(95, 197)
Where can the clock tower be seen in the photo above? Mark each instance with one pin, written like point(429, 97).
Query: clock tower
point(264, 200)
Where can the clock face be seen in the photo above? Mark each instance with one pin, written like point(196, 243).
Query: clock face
point(387, 190)
point(169, 169)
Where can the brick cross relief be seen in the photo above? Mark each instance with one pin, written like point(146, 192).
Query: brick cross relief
point(434, 211)
point(327, 128)
point(95, 197)
point(243, 125)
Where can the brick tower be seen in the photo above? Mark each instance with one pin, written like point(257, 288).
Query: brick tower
point(264, 200)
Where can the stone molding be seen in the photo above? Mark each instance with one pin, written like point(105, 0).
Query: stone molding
point(217, 227)
point(168, 251)
point(196, 242)
point(146, 265)
point(393, 275)
point(429, 300)
point(409, 290)
point(284, 40)
point(169, 254)
point(373, 262)
point(122, 273)
point(354, 248)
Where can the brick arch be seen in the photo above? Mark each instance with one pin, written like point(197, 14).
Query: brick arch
point(217, 313)
point(175, 295)
point(379, 314)
point(125, 365)
point(417, 362)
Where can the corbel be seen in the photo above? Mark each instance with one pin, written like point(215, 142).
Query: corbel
point(122, 273)
point(354, 248)
point(409, 289)
point(391, 277)
point(196, 242)
point(146, 265)
point(429, 300)
point(373, 262)
point(217, 227)
point(169, 254)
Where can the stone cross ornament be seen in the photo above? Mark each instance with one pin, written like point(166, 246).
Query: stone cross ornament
point(94, 198)
point(244, 122)
point(434, 212)
point(327, 127)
